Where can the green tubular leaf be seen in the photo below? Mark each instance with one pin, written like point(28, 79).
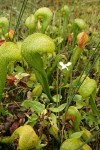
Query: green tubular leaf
point(45, 14)
point(73, 111)
point(31, 47)
point(87, 87)
point(65, 13)
point(4, 24)
point(31, 23)
point(39, 43)
point(65, 10)
point(80, 23)
point(8, 52)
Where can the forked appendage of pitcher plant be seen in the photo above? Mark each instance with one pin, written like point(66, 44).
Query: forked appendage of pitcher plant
point(8, 52)
point(32, 48)
point(43, 13)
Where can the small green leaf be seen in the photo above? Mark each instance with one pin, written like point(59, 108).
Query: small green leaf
point(32, 120)
point(30, 84)
point(77, 134)
point(19, 69)
point(54, 131)
point(57, 98)
point(58, 109)
point(34, 105)
point(79, 101)
point(53, 118)
point(33, 117)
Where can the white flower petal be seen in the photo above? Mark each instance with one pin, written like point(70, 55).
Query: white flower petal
point(64, 66)
point(61, 63)
point(68, 64)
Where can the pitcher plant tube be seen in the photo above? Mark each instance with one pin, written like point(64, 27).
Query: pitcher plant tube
point(88, 90)
point(43, 13)
point(32, 48)
point(8, 52)
point(74, 115)
point(31, 23)
point(65, 14)
point(4, 23)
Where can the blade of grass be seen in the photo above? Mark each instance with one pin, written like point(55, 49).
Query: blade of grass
point(94, 107)
point(10, 15)
point(20, 17)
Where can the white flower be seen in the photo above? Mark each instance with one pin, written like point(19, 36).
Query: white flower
point(64, 66)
